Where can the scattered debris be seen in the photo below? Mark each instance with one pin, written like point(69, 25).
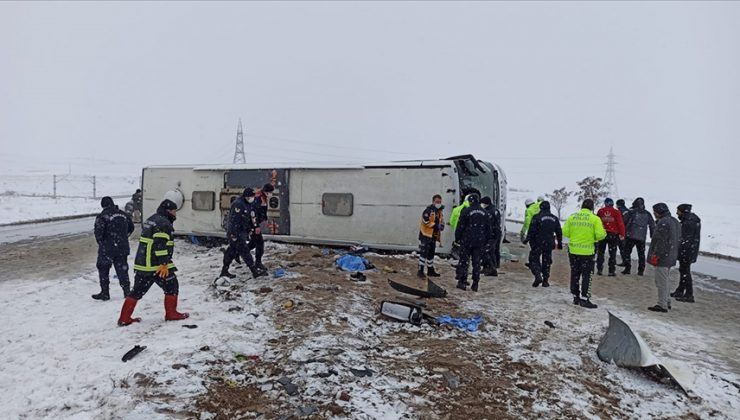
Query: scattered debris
point(190, 326)
point(469, 324)
point(526, 386)
point(133, 352)
point(244, 357)
point(452, 380)
point(288, 304)
point(289, 386)
point(358, 276)
point(350, 262)
point(305, 411)
point(328, 373)
point(179, 366)
point(344, 396)
point(549, 324)
point(235, 309)
point(264, 289)
point(361, 373)
point(401, 311)
point(279, 272)
point(300, 287)
point(205, 348)
point(433, 290)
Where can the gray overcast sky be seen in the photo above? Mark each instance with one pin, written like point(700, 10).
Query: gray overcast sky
point(543, 88)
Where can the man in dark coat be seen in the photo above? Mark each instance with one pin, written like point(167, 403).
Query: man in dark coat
point(492, 253)
point(112, 229)
point(474, 230)
point(259, 207)
point(240, 228)
point(153, 264)
point(637, 224)
point(543, 235)
point(663, 253)
point(624, 210)
point(688, 251)
point(138, 199)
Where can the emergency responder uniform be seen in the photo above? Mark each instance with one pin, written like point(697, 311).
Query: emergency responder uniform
point(431, 225)
point(259, 207)
point(492, 253)
point(543, 235)
point(584, 229)
point(153, 264)
point(474, 230)
point(611, 218)
point(112, 229)
point(241, 225)
point(688, 251)
point(532, 209)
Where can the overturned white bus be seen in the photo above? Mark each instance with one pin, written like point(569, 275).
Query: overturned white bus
point(377, 205)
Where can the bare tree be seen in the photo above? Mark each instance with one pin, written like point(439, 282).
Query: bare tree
point(558, 198)
point(593, 188)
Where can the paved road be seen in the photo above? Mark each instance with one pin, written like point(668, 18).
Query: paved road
point(46, 231)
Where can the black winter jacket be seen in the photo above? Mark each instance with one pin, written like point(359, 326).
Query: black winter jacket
point(545, 231)
point(637, 223)
point(475, 226)
point(156, 244)
point(242, 218)
point(688, 249)
point(112, 229)
point(495, 222)
point(665, 241)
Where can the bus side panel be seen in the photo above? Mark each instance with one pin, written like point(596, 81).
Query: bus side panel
point(157, 181)
point(387, 203)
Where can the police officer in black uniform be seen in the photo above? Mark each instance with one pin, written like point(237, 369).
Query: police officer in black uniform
point(153, 264)
point(492, 253)
point(259, 206)
point(241, 225)
point(544, 234)
point(112, 229)
point(474, 231)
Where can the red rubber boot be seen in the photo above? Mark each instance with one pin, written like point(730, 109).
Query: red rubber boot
point(170, 309)
point(126, 311)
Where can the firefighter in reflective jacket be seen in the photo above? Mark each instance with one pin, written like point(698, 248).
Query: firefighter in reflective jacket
point(431, 225)
point(153, 264)
point(584, 229)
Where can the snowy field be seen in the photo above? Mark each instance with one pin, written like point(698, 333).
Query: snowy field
point(720, 232)
point(304, 345)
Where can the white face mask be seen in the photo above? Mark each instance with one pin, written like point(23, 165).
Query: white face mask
point(438, 205)
point(484, 206)
point(250, 199)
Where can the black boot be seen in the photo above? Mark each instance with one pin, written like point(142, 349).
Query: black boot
point(461, 285)
point(474, 287)
point(225, 273)
point(576, 300)
point(545, 282)
point(677, 293)
point(260, 266)
point(257, 272)
point(126, 286)
point(432, 273)
point(537, 280)
point(103, 295)
point(420, 273)
point(687, 299)
point(586, 303)
point(626, 270)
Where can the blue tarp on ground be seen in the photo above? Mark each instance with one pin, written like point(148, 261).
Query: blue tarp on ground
point(470, 324)
point(351, 263)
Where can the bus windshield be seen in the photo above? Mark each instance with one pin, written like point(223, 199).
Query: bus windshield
point(478, 176)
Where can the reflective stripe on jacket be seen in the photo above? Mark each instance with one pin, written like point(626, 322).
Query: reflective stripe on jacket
point(583, 229)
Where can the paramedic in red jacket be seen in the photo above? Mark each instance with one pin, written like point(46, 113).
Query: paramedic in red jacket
point(611, 218)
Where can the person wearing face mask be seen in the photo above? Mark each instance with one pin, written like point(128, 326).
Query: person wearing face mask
point(663, 253)
point(259, 206)
point(431, 225)
point(474, 230)
point(153, 264)
point(240, 226)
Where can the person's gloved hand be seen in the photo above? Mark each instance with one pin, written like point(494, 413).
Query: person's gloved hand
point(653, 260)
point(522, 236)
point(163, 271)
point(525, 241)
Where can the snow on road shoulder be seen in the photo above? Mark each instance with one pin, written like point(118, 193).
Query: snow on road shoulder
point(62, 351)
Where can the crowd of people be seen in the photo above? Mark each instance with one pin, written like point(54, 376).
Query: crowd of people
point(594, 240)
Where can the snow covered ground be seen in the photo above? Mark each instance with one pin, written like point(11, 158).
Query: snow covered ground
point(720, 231)
point(302, 345)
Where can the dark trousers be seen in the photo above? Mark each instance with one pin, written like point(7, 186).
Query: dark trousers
point(142, 283)
point(612, 241)
point(474, 253)
point(580, 271)
point(685, 282)
point(238, 246)
point(623, 251)
point(427, 249)
point(120, 264)
point(257, 243)
point(628, 245)
point(540, 260)
point(492, 254)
